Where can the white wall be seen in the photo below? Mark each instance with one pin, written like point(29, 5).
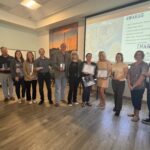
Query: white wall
point(43, 41)
point(16, 37)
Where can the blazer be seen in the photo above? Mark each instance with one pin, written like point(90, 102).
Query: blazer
point(59, 58)
point(26, 70)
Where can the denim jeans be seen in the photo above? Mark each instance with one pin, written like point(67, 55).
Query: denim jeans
point(148, 96)
point(7, 85)
point(136, 97)
point(60, 85)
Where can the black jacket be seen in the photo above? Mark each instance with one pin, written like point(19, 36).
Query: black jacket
point(6, 61)
point(75, 69)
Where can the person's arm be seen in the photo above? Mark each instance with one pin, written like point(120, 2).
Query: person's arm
point(13, 69)
point(128, 80)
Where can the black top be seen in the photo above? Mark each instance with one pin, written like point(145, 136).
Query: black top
point(5, 63)
point(75, 69)
point(16, 68)
point(45, 63)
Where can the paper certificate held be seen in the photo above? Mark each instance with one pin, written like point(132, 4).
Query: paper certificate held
point(88, 81)
point(102, 74)
point(88, 69)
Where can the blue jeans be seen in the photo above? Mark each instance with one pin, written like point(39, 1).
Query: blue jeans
point(136, 97)
point(60, 85)
point(148, 96)
point(7, 85)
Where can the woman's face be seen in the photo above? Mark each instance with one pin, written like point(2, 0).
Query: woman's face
point(74, 57)
point(102, 57)
point(118, 58)
point(89, 57)
point(30, 56)
point(18, 55)
point(138, 56)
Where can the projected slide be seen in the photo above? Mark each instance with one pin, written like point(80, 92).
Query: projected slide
point(124, 34)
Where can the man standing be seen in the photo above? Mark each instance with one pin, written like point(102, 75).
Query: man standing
point(61, 61)
point(42, 65)
point(5, 75)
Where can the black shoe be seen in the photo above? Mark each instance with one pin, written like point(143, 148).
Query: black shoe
point(63, 101)
point(12, 98)
point(6, 100)
point(88, 104)
point(51, 102)
point(146, 121)
point(41, 102)
point(114, 109)
point(117, 113)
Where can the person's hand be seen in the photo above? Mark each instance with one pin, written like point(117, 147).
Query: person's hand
point(147, 74)
point(16, 78)
point(39, 68)
point(2, 69)
point(61, 69)
point(130, 87)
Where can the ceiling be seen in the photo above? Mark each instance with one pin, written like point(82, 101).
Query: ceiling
point(49, 7)
point(54, 12)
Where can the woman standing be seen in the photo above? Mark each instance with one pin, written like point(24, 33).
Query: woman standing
point(74, 78)
point(30, 77)
point(89, 70)
point(136, 83)
point(104, 71)
point(119, 73)
point(18, 75)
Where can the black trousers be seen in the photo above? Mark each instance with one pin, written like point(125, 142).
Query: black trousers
point(20, 88)
point(86, 93)
point(30, 84)
point(47, 78)
point(118, 89)
point(73, 89)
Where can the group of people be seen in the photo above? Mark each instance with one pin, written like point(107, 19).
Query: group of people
point(24, 74)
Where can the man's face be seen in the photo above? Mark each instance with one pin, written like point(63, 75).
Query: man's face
point(4, 51)
point(41, 52)
point(63, 47)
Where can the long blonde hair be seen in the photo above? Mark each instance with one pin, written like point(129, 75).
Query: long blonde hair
point(100, 54)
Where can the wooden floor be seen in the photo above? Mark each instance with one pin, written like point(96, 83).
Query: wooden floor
point(33, 127)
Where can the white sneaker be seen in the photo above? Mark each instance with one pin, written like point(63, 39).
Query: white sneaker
point(70, 105)
point(76, 103)
point(30, 102)
point(34, 101)
point(19, 101)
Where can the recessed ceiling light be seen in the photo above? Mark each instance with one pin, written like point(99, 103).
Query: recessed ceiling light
point(31, 4)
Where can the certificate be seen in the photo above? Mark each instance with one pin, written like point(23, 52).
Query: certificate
point(31, 69)
point(88, 81)
point(102, 74)
point(88, 69)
